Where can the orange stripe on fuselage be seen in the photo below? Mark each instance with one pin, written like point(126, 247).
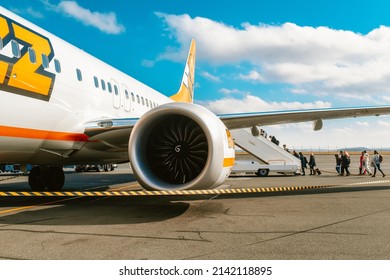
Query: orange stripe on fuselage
point(8, 131)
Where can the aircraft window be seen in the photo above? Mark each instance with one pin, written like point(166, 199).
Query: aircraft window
point(103, 84)
point(143, 101)
point(32, 56)
point(1, 44)
point(138, 98)
point(147, 102)
point(45, 61)
point(109, 87)
point(116, 90)
point(57, 65)
point(96, 81)
point(132, 96)
point(79, 74)
point(127, 94)
point(15, 48)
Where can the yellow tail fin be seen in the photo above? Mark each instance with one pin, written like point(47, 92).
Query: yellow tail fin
point(186, 91)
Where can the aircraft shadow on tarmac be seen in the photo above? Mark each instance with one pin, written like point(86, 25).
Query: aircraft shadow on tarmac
point(93, 210)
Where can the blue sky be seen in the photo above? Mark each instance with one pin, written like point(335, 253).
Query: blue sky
point(252, 55)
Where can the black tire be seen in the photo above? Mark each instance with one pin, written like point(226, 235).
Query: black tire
point(55, 178)
point(262, 172)
point(35, 179)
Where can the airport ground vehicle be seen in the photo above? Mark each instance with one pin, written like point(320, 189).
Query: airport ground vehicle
point(262, 170)
point(95, 167)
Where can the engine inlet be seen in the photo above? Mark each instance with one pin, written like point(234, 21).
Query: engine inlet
point(177, 149)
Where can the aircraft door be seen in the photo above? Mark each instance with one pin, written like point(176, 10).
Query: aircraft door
point(116, 95)
point(126, 102)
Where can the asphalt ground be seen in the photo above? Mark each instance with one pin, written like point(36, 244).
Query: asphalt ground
point(342, 218)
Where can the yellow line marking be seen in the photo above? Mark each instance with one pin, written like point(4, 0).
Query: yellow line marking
point(35, 205)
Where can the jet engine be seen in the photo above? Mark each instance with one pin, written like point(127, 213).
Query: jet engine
point(179, 146)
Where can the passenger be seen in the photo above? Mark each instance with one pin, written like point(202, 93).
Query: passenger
point(274, 140)
point(295, 154)
point(345, 162)
point(338, 163)
point(303, 163)
point(366, 160)
point(361, 164)
point(312, 164)
point(377, 159)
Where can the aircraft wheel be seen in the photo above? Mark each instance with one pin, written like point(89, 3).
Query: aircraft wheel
point(55, 178)
point(35, 179)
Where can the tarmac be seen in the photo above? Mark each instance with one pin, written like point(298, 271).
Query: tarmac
point(290, 218)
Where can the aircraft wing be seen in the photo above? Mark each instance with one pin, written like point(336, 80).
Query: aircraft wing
point(113, 134)
point(109, 134)
point(244, 120)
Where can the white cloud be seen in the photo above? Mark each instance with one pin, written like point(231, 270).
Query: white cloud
point(363, 123)
point(383, 123)
point(335, 134)
point(105, 22)
point(253, 76)
point(29, 11)
point(298, 91)
point(320, 60)
point(148, 63)
point(251, 103)
point(232, 91)
point(386, 98)
point(210, 77)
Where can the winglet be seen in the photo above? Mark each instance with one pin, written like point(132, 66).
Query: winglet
point(186, 91)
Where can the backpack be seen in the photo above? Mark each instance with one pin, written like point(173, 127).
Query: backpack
point(380, 158)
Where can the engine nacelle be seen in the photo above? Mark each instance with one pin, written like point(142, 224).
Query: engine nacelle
point(180, 146)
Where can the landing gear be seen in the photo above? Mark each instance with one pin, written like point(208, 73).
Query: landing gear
point(51, 178)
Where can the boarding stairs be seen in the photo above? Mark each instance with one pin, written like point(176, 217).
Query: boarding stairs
point(263, 149)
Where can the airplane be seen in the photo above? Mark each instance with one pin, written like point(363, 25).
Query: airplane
point(61, 106)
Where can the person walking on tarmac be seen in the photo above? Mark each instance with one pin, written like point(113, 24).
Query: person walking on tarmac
point(303, 163)
point(312, 165)
point(338, 163)
point(377, 159)
point(366, 160)
point(345, 162)
point(361, 158)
